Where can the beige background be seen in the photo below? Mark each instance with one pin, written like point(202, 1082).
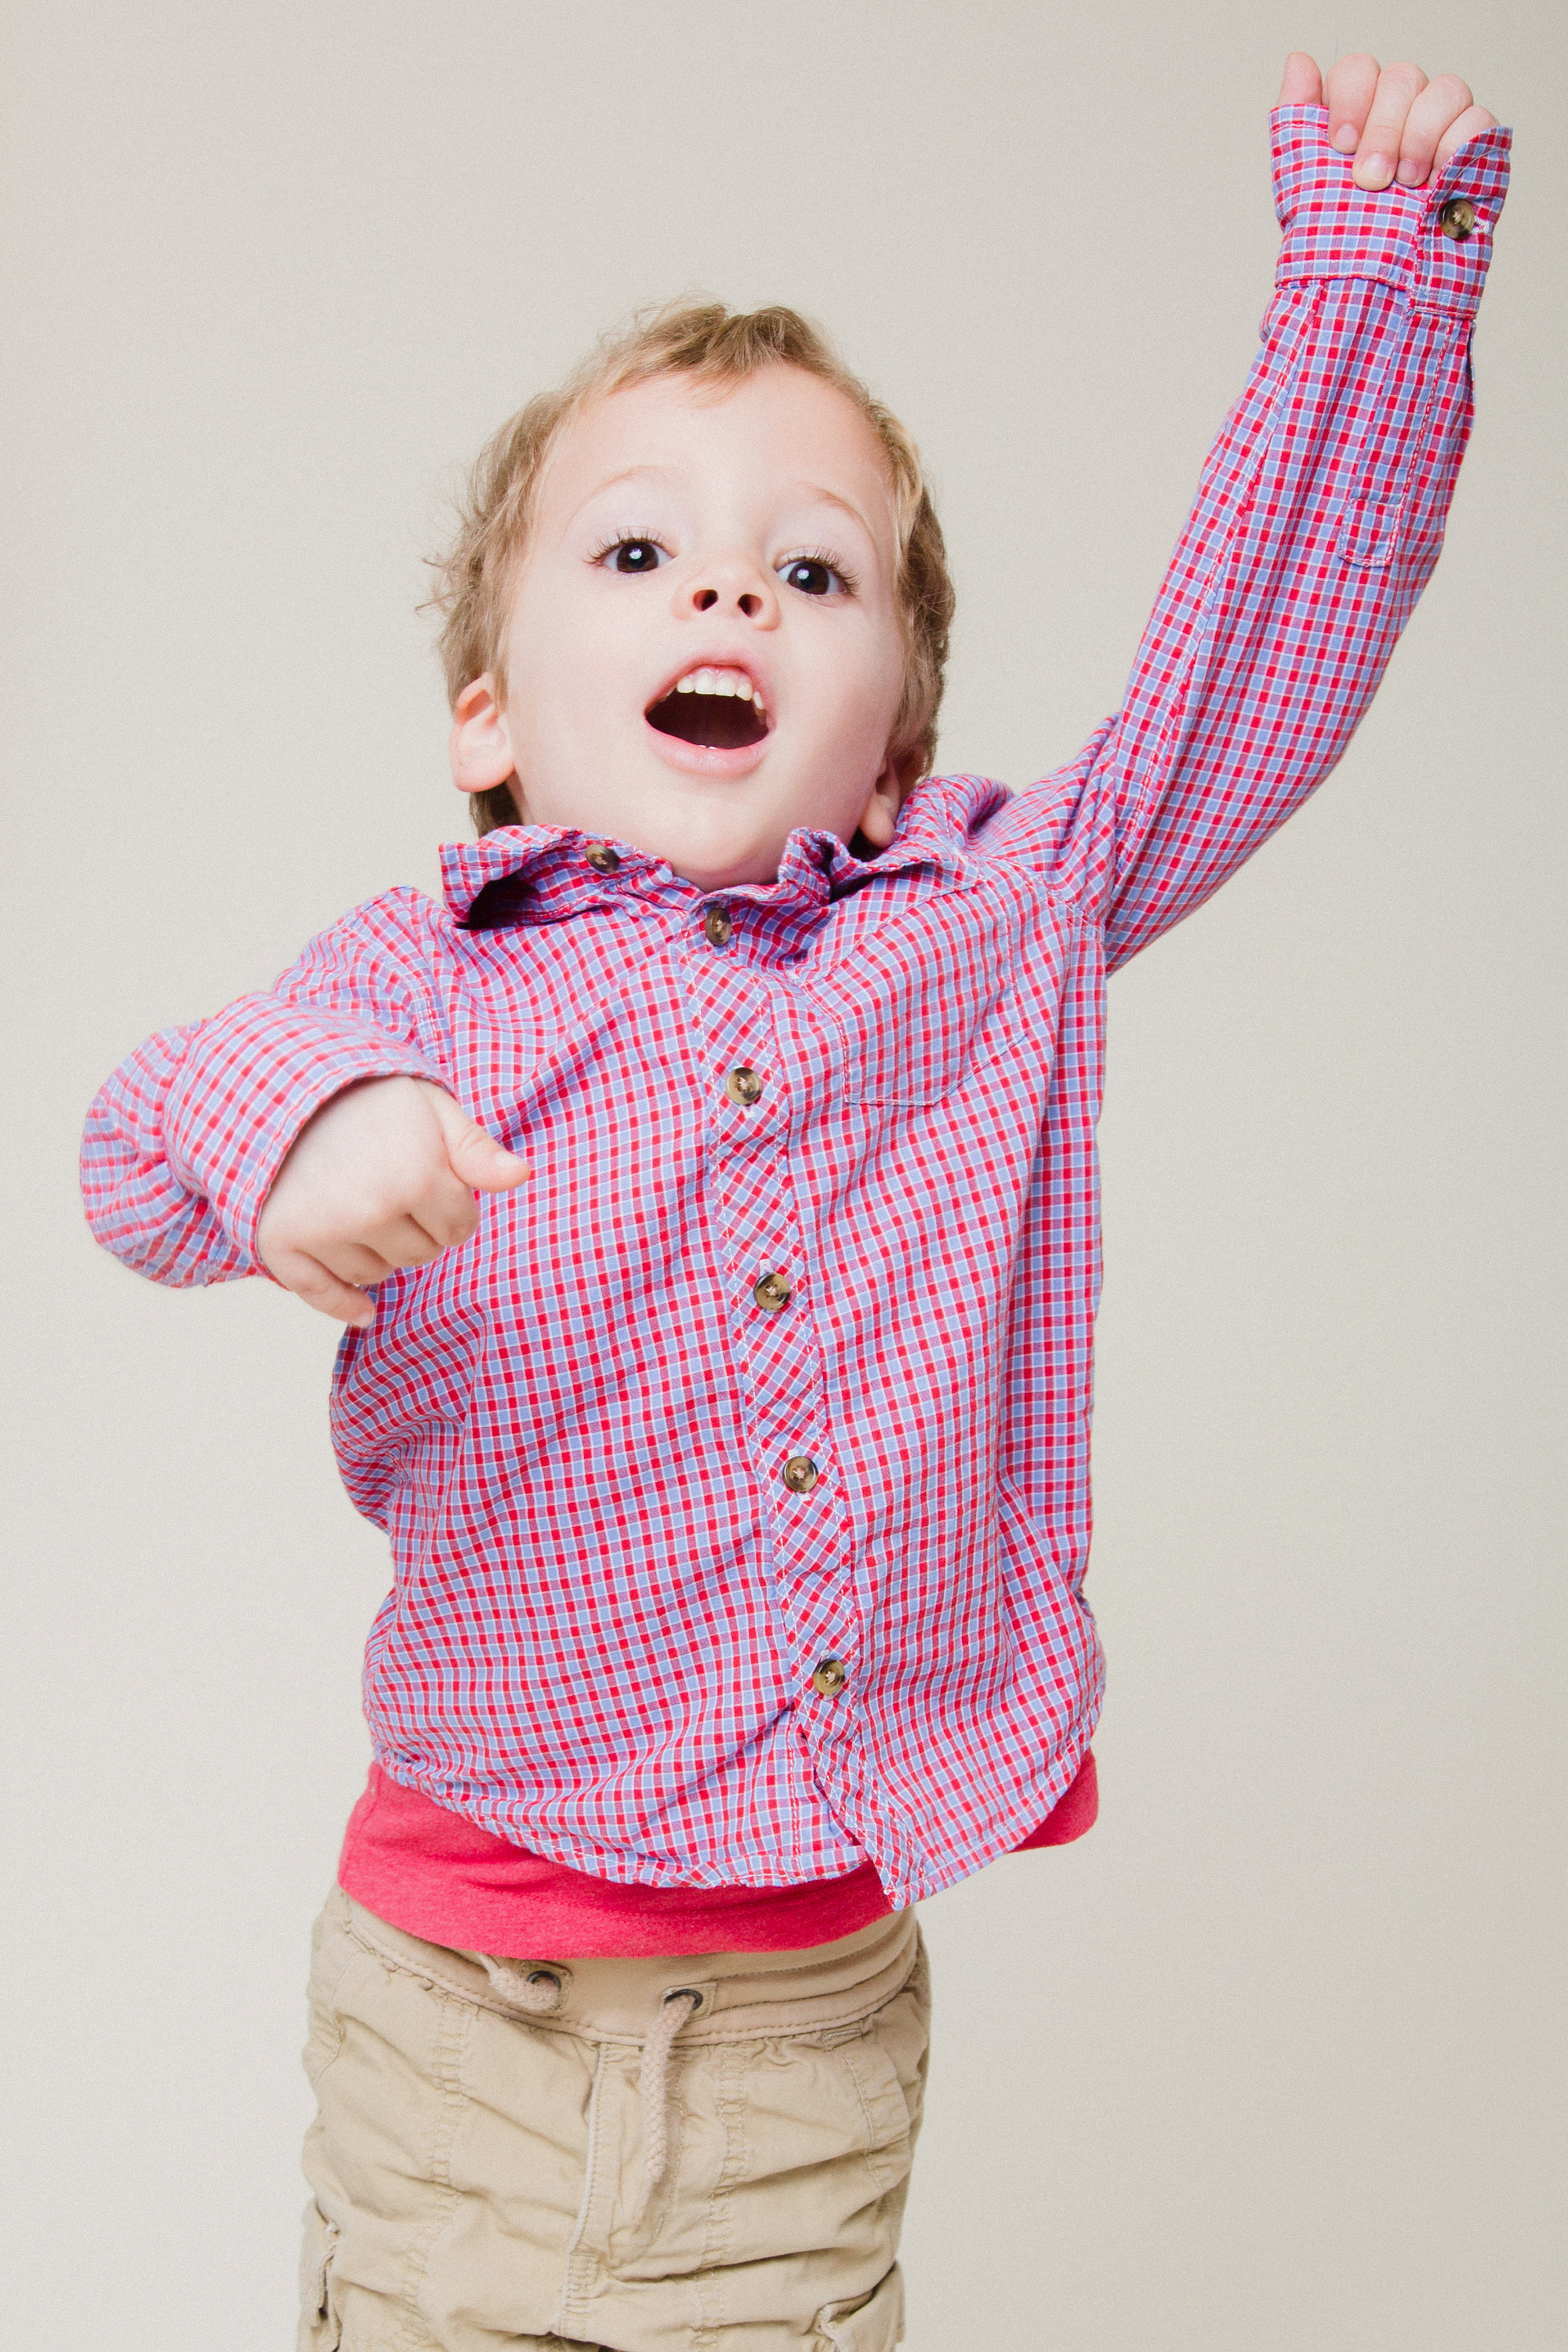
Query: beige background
point(1272, 2062)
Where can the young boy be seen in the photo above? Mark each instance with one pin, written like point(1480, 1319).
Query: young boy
point(733, 1449)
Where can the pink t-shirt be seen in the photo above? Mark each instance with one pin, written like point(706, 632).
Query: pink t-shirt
point(435, 1874)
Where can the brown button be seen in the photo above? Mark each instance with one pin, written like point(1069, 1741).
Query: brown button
point(800, 1473)
point(716, 923)
point(602, 858)
point(743, 1085)
point(830, 1676)
point(773, 1292)
point(1456, 218)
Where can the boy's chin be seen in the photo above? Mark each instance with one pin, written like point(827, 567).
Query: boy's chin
point(713, 849)
point(708, 868)
point(716, 848)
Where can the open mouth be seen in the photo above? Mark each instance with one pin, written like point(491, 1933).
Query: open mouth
point(719, 709)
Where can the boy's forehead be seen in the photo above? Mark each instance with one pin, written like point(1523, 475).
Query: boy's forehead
point(780, 424)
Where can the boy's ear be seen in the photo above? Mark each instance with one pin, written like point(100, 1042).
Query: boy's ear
point(480, 741)
point(880, 817)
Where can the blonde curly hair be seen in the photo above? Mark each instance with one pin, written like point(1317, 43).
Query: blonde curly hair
point(706, 339)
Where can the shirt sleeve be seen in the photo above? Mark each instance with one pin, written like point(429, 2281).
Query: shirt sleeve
point(1319, 518)
point(182, 1145)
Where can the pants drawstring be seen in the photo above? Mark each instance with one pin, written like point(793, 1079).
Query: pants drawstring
point(534, 1988)
point(538, 1989)
point(676, 2010)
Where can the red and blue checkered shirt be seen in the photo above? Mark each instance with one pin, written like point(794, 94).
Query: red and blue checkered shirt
point(636, 1502)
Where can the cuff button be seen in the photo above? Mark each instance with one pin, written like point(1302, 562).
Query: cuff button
point(1456, 218)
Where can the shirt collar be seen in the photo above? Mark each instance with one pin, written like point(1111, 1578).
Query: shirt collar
point(545, 873)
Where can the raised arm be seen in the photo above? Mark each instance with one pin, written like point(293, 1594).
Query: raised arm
point(1319, 511)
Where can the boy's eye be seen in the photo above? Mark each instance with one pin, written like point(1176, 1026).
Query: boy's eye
point(813, 577)
point(635, 555)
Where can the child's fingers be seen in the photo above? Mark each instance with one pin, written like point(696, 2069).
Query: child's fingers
point(476, 1158)
point(1440, 103)
point(361, 1262)
point(445, 1212)
point(308, 1279)
point(1469, 125)
point(1377, 154)
point(444, 1216)
point(1303, 84)
point(1350, 86)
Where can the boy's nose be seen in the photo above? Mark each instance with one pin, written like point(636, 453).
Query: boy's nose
point(706, 598)
point(734, 586)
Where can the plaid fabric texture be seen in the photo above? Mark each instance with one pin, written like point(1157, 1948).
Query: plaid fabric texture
point(609, 1602)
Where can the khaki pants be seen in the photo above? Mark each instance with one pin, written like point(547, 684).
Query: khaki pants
point(703, 2155)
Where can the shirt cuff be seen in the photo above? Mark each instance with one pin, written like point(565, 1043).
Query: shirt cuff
point(1435, 242)
point(251, 1079)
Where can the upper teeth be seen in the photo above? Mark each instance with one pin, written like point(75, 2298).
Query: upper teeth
point(720, 681)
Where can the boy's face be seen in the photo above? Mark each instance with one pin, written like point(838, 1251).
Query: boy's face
point(740, 539)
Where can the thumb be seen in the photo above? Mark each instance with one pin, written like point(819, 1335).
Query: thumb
point(474, 1157)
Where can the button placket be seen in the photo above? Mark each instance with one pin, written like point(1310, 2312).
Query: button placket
point(776, 1353)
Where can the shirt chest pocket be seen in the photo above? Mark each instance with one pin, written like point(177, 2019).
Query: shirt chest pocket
point(897, 1064)
point(959, 995)
point(908, 1036)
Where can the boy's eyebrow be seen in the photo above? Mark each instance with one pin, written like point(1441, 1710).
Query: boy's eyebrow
point(631, 473)
point(833, 499)
point(666, 473)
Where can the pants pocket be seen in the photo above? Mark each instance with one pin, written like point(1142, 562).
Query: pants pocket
point(333, 1952)
point(870, 2322)
point(888, 2061)
point(321, 2328)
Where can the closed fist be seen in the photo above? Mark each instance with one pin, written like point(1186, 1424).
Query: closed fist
point(383, 1176)
point(1399, 125)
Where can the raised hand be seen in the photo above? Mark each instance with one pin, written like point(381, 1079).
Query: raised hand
point(1400, 125)
point(383, 1176)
